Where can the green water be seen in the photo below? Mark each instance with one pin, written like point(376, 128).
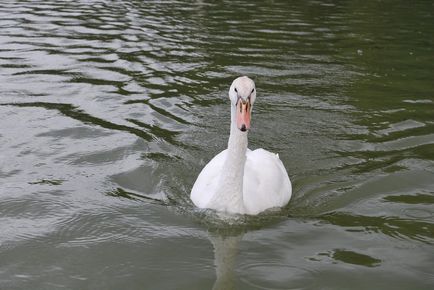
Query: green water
point(110, 109)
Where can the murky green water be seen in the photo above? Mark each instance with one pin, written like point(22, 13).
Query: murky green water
point(109, 110)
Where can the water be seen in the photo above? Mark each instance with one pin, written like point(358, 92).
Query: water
point(109, 110)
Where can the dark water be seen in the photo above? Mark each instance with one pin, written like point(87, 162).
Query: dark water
point(109, 110)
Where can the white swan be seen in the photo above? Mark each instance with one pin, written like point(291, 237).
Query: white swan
point(238, 180)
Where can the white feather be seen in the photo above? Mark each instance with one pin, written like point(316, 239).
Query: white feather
point(238, 180)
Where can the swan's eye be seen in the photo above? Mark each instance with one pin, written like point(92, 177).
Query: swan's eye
point(235, 89)
point(253, 90)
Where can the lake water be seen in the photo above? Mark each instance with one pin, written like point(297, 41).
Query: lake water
point(110, 109)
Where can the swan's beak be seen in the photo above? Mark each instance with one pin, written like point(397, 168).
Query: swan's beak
point(243, 114)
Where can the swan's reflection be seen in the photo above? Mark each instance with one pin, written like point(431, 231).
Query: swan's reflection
point(226, 232)
point(225, 253)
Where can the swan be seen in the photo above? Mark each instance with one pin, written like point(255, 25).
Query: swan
point(239, 180)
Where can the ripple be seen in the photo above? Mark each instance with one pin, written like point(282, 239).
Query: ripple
point(424, 101)
point(421, 198)
point(30, 217)
point(70, 111)
point(418, 213)
point(281, 276)
point(401, 126)
point(418, 230)
point(354, 258)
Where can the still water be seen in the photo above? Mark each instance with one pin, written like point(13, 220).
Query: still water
point(109, 110)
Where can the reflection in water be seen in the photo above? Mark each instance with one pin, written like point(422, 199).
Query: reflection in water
point(225, 254)
point(355, 258)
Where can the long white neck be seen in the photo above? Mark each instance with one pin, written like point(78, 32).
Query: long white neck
point(229, 196)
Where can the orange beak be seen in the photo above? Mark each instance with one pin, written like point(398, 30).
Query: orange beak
point(243, 114)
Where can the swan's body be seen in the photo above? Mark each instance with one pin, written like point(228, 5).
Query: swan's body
point(238, 180)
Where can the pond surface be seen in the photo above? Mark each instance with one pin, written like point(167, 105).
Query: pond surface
point(110, 109)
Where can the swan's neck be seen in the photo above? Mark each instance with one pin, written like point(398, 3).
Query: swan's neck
point(229, 196)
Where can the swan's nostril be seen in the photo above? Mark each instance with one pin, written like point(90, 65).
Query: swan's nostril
point(243, 128)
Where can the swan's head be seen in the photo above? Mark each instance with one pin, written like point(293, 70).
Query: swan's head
point(242, 95)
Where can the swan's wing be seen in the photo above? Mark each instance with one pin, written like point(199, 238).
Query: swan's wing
point(266, 183)
point(207, 181)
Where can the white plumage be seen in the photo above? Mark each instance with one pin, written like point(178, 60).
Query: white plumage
point(238, 180)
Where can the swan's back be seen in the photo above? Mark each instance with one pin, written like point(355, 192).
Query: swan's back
point(207, 182)
point(266, 183)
